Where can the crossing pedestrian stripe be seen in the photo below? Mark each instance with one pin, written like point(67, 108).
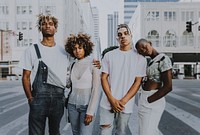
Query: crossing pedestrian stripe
point(184, 116)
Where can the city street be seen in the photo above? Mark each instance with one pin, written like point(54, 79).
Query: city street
point(181, 115)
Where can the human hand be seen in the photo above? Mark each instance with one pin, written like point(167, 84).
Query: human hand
point(97, 63)
point(117, 106)
point(88, 119)
point(30, 100)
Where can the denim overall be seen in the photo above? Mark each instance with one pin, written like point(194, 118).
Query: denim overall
point(48, 102)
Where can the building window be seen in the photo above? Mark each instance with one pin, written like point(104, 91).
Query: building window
point(187, 15)
point(152, 16)
point(24, 25)
point(47, 9)
point(170, 39)
point(130, 6)
point(30, 26)
point(24, 10)
point(18, 26)
point(153, 36)
point(4, 25)
point(169, 16)
point(187, 39)
point(18, 43)
point(4, 10)
point(26, 42)
point(18, 10)
point(30, 42)
point(131, 11)
point(30, 10)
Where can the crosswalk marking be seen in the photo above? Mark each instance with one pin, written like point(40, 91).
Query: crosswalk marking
point(185, 100)
point(13, 107)
point(19, 125)
point(22, 130)
point(184, 116)
point(19, 121)
point(10, 96)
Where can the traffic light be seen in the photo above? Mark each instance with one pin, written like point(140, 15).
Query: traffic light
point(20, 36)
point(189, 26)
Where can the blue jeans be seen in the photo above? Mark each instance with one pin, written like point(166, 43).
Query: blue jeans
point(77, 117)
point(48, 102)
point(45, 106)
point(119, 120)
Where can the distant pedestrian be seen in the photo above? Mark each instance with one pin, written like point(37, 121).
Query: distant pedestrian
point(85, 78)
point(122, 72)
point(156, 85)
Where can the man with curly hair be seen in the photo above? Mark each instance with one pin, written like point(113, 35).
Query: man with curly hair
point(44, 78)
point(122, 72)
point(85, 77)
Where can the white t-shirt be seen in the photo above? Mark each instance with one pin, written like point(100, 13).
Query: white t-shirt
point(54, 57)
point(122, 67)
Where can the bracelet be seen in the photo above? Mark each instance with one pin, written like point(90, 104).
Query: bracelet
point(30, 98)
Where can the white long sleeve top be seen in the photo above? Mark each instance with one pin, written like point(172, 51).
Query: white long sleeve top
point(85, 85)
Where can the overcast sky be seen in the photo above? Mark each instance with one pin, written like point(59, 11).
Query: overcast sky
point(105, 7)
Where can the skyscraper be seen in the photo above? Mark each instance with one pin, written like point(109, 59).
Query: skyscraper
point(113, 21)
point(95, 13)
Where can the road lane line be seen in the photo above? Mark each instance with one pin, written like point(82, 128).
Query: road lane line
point(186, 100)
point(184, 116)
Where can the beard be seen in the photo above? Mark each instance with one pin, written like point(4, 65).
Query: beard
point(47, 35)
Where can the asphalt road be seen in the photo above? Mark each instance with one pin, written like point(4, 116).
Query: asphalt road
point(181, 115)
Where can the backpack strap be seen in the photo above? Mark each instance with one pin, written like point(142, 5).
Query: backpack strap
point(71, 83)
point(37, 51)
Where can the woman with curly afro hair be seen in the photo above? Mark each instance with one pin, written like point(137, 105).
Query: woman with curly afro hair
point(85, 77)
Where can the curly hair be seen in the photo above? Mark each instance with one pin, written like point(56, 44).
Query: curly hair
point(82, 40)
point(42, 17)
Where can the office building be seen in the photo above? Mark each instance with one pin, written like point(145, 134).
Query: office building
point(131, 5)
point(164, 24)
point(20, 16)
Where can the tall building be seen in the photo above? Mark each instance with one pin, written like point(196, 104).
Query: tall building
point(113, 21)
point(131, 5)
point(95, 13)
point(164, 24)
point(20, 16)
point(110, 29)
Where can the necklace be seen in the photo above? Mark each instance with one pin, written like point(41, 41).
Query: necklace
point(49, 45)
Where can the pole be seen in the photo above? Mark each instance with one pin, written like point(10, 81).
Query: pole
point(1, 45)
